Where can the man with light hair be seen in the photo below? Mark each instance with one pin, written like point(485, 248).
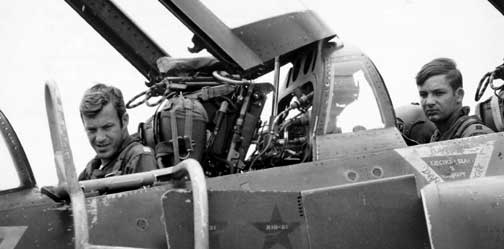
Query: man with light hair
point(105, 119)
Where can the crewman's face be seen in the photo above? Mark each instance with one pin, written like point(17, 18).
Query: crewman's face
point(438, 99)
point(105, 132)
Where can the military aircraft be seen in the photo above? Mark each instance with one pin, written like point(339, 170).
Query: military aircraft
point(317, 178)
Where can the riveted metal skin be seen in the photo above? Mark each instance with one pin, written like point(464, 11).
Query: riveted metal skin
point(384, 213)
point(317, 174)
point(46, 224)
point(465, 214)
point(238, 219)
point(131, 218)
point(354, 143)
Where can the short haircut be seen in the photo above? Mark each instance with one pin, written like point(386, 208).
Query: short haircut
point(97, 97)
point(440, 66)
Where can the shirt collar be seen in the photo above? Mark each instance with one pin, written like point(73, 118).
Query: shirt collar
point(462, 111)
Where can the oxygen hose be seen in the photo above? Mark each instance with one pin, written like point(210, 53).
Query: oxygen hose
point(218, 76)
point(488, 79)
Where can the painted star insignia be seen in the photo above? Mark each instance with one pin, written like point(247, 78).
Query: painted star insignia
point(276, 230)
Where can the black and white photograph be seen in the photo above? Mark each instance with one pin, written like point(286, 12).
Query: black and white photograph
point(265, 124)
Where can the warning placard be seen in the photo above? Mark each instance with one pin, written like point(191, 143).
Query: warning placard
point(449, 161)
point(451, 167)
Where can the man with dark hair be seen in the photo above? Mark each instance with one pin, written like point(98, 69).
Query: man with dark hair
point(439, 84)
point(105, 119)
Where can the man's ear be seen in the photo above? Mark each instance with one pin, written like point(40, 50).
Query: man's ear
point(125, 120)
point(459, 93)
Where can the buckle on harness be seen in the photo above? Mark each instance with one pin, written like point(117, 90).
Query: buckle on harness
point(185, 145)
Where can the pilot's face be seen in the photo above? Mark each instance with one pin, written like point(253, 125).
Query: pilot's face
point(438, 99)
point(105, 132)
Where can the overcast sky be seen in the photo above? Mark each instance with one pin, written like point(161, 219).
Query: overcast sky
point(42, 40)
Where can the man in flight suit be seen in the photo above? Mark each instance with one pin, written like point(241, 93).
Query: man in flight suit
point(439, 84)
point(104, 117)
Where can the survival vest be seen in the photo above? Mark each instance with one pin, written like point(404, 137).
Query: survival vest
point(115, 167)
point(458, 129)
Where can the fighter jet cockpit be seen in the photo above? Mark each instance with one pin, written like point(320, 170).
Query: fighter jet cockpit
point(275, 132)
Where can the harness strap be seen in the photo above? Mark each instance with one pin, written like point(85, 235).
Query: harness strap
point(207, 93)
point(496, 112)
point(156, 126)
point(464, 124)
point(189, 106)
point(122, 157)
point(477, 111)
point(173, 123)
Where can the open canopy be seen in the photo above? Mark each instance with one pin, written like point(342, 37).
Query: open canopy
point(249, 34)
point(246, 35)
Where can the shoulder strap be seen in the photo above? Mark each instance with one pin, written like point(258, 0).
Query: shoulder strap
point(496, 112)
point(174, 138)
point(87, 173)
point(122, 158)
point(462, 127)
point(188, 123)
